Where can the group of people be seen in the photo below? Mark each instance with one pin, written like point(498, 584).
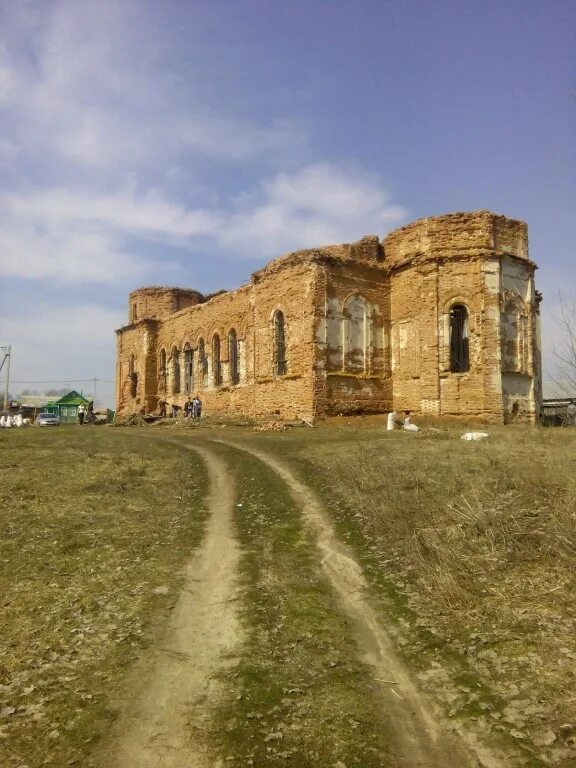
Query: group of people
point(397, 421)
point(86, 414)
point(192, 408)
point(8, 420)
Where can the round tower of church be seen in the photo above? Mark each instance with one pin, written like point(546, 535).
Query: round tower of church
point(156, 303)
point(463, 317)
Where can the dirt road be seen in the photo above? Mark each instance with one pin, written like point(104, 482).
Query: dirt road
point(165, 721)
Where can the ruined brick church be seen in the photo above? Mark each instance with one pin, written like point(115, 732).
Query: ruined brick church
point(440, 317)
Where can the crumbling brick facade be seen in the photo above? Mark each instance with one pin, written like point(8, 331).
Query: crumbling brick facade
point(441, 317)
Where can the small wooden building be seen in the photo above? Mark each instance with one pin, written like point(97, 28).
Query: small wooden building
point(67, 407)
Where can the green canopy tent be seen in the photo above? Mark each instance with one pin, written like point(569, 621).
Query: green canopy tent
point(67, 407)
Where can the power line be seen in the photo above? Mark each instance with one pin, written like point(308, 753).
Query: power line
point(64, 381)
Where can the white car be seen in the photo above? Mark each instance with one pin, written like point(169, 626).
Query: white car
point(46, 419)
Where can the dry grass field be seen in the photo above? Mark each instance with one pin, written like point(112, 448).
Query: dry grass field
point(469, 550)
point(471, 547)
point(94, 527)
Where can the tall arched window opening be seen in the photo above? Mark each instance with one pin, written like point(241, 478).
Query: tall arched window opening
point(459, 346)
point(203, 361)
point(133, 376)
point(280, 362)
point(163, 372)
point(175, 371)
point(188, 369)
point(356, 334)
point(216, 363)
point(233, 357)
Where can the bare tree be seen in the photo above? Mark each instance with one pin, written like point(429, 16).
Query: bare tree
point(565, 352)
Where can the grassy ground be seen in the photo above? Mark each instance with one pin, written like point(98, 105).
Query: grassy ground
point(299, 693)
point(94, 526)
point(470, 549)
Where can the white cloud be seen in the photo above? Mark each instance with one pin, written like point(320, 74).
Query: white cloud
point(100, 93)
point(83, 236)
point(125, 212)
point(317, 205)
point(62, 256)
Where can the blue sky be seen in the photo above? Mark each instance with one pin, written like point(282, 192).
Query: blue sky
point(190, 142)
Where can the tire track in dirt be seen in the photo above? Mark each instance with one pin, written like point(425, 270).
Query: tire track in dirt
point(424, 741)
point(164, 722)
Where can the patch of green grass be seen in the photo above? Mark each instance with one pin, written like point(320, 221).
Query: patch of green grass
point(300, 695)
point(91, 522)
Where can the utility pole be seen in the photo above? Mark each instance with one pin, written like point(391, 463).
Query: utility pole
point(6, 362)
point(94, 395)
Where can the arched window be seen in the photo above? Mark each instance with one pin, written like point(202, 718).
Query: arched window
point(216, 364)
point(188, 369)
point(134, 313)
point(133, 376)
point(163, 372)
point(233, 357)
point(203, 362)
point(280, 362)
point(175, 359)
point(356, 334)
point(459, 347)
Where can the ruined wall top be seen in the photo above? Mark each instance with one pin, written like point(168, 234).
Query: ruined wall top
point(456, 234)
point(367, 250)
point(157, 302)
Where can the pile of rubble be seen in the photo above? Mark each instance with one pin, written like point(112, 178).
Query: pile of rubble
point(271, 426)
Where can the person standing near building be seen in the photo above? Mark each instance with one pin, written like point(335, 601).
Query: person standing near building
point(81, 412)
point(196, 407)
point(188, 408)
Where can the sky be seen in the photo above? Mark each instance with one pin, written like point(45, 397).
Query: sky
point(188, 143)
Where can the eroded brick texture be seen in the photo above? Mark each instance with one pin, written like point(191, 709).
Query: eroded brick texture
point(441, 317)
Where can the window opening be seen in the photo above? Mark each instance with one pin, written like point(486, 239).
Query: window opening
point(163, 369)
point(216, 364)
point(203, 360)
point(188, 369)
point(133, 376)
point(459, 346)
point(233, 357)
point(175, 371)
point(280, 363)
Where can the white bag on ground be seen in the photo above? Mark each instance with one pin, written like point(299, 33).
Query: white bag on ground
point(475, 435)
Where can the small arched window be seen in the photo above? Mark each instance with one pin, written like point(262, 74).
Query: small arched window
point(188, 369)
point(203, 362)
point(175, 356)
point(459, 346)
point(233, 357)
point(134, 313)
point(216, 363)
point(163, 369)
point(280, 362)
